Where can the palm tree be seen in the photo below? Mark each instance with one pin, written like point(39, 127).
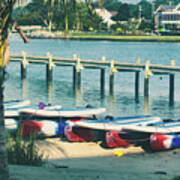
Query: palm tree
point(51, 8)
point(6, 8)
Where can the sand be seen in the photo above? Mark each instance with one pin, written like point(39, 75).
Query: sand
point(89, 161)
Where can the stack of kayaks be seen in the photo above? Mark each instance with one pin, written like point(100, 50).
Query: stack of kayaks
point(147, 131)
point(98, 128)
point(33, 119)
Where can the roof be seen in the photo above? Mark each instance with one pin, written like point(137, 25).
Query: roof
point(167, 8)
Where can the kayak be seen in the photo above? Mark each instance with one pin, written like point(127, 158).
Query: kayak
point(116, 124)
point(14, 111)
point(164, 142)
point(44, 128)
point(113, 140)
point(11, 125)
point(96, 129)
point(162, 127)
point(62, 112)
point(16, 104)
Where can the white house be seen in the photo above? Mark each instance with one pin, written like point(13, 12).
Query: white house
point(168, 18)
point(106, 16)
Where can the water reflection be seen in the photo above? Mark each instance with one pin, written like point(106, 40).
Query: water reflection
point(78, 96)
point(24, 88)
point(146, 105)
point(50, 91)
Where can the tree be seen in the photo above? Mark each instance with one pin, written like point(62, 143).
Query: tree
point(6, 8)
point(123, 13)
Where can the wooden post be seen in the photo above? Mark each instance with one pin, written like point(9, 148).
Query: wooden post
point(171, 86)
point(78, 73)
point(74, 72)
point(102, 81)
point(111, 78)
point(137, 81)
point(137, 86)
point(102, 78)
point(49, 67)
point(74, 77)
point(23, 65)
point(146, 87)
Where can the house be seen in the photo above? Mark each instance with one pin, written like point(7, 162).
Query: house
point(105, 15)
point(167, 19)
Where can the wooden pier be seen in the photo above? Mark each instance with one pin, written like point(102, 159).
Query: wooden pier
point(78, 64)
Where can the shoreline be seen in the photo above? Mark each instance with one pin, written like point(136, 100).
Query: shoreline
point(122, 38)
point(89, 161)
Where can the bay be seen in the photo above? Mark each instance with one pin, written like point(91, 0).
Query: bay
point(122, 103)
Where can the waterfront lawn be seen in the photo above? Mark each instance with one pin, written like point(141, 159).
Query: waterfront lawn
point(125, 37)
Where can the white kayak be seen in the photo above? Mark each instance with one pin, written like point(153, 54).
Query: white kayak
point(160, 128)
point(14, 112)
point(62, 112)
point(16, 104)
point(11, 125)
point(118, 123)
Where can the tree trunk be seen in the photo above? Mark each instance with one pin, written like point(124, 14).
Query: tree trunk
point(4, 174)
point(6, 7)
point(66, 17)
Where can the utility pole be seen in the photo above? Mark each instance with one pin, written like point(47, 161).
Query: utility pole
point(140, 13)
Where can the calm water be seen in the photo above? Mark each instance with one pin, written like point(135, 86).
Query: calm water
point(122, 103)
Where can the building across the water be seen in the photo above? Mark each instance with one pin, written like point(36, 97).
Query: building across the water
point(167, 19)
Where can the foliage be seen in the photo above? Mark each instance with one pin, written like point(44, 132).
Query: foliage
point(21, 152)
point(79, 16)
point(176, 178)
point(123, 13)
point(146, 26)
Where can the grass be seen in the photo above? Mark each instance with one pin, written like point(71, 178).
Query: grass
point(116, 37)
point(22, 152)
point(125, 38)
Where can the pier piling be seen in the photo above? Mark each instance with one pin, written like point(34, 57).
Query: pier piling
point(138, 61)
point(171, 86)
point(111, 78)
point(147, 73)
point(102, 78)
point(78, 73)
point(49, 67)
point(24, 63)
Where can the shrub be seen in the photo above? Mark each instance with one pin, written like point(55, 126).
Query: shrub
point(23, 152)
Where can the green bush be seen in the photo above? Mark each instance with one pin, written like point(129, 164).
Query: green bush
point(176, 178)
point(23, 152)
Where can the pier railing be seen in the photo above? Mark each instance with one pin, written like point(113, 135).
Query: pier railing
point(78, 64)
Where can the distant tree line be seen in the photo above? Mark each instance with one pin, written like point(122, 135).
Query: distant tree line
point(79, 15)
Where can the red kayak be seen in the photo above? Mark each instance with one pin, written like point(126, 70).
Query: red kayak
point(76, 134)
point(113, 140)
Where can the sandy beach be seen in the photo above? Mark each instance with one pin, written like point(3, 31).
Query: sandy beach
point(89, 161)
